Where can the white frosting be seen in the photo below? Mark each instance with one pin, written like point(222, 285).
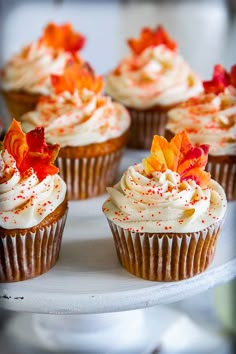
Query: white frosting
point(163, 203)
point(78, 120)
point(31, 73)
point(158, 76)
point(24, 200)
point(210, 120)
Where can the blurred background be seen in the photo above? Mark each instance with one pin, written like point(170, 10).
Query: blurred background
point(206, 33)
point(204, 29)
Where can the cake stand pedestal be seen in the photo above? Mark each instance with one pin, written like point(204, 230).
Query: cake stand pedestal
point(135, 331)
point(103, 308)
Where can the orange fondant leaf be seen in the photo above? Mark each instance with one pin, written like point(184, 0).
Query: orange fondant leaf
point(163, 155)
point(180, 156)
point(151, 38)
point(25, 52)
point(31, 150)
point(77, 76)
point(62, 37)
point(15, 142)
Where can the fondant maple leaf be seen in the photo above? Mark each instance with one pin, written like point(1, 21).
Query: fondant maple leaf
point(178, 155)
point(220, 79)
point(233, 75)
point(31, 150)
point(151, 38)
point(77, 76)
point(62, 37)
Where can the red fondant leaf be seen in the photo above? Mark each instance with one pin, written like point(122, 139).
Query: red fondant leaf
point(195, 157)
point(77, 76)
point(233, 75)
point(31, 150)
point(179, 155)
point(151, 38)
point(220, 79)
point(200, 176)
point(35, 139)
point(62, 37)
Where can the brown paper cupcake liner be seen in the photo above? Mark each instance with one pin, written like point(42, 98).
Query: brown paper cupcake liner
point(223, 170)
point(88, 177)
point(145, 124)
point(25, 255)
point(165, 257)
point(19, 103)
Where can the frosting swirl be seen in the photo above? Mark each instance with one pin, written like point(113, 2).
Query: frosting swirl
point(24, 200)
point(158, 76)
point(162, 203)
point(210, 119)
point(30, 70)
point(78, 119)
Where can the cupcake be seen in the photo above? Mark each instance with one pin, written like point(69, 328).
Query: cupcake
point(150, 81)
point(91, 130)
point(211, 118)
point(33, 207)
point(166, 212)
point(26, 76)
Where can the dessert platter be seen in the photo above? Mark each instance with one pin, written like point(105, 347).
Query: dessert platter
point(89, 283)
point(88, 277)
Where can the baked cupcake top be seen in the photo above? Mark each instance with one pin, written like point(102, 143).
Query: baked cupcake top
point(169, 191)
point(211, 117)
point(30, 188)
point(154, 74)
point(30, 70)
point(77, 114)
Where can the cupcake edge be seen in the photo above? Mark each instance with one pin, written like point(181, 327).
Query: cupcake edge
point(28, 253)
point(165, 256)
point(88, 170)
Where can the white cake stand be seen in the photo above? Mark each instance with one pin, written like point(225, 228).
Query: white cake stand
point(109, 304)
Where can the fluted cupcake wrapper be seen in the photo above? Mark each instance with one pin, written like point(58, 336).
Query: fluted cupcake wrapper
point(223, 170)
point(88, 177)
point(164, 256)
point(19, 103)
point(25, 255)
point(145, 124)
